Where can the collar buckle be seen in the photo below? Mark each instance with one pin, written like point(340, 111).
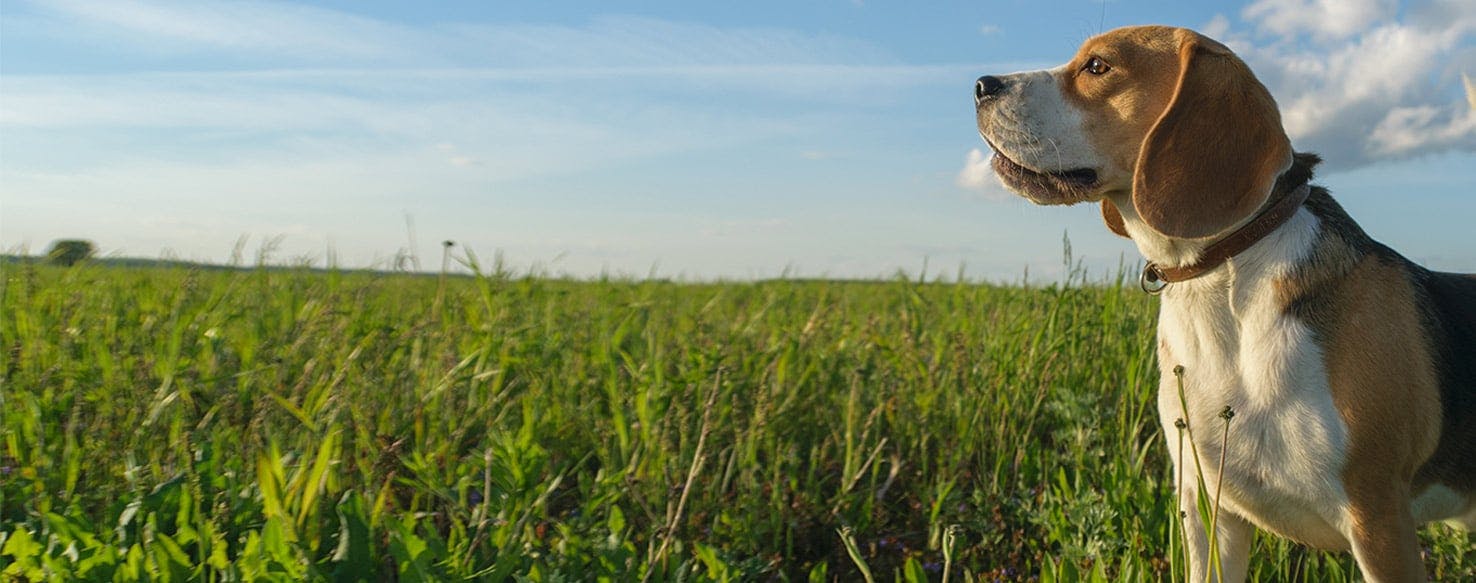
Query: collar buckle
point(1151, 280)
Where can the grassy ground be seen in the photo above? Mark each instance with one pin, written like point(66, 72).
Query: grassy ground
point(166, 423)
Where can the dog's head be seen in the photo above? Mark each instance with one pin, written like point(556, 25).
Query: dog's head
point(1165, 118)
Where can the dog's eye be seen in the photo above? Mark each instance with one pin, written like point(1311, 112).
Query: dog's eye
point(1096, 66)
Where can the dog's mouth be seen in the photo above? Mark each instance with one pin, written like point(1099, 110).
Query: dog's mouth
point(1064, 187)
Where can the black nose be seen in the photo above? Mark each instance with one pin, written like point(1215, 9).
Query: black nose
point(986, 87)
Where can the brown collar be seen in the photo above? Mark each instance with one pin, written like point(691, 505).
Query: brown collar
point(1156, 277)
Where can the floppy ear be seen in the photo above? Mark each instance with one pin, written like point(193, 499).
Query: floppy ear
point(1213, 156)
point(1113, 218)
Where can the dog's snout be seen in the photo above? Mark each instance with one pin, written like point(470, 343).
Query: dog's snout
point(987, 87)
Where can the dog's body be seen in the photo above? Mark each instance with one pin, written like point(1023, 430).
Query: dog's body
point(1350, 371)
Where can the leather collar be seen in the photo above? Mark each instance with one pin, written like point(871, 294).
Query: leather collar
point(1155, 277)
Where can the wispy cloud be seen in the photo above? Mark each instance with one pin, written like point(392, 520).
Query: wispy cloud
point(744, 228)
point(517, 100)
point(272, 29)
point(308, 34)
point(215, 119)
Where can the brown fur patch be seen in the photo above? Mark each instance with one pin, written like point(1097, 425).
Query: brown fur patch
point(1119, 108)
point(1383, 381)
point(1213, 157)
point(1375, 350)
point(1183, 124)
point(1113, 218)
point(1392, 335)
point(1382, 375)
point(1387, 332)
point(1434, 312)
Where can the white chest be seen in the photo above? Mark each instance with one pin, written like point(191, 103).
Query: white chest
point(1285, 446)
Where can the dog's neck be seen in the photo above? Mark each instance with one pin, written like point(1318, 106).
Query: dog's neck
point(1154, 246)
point(1171, 252)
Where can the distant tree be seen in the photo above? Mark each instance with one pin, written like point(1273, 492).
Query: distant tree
point(69, 252)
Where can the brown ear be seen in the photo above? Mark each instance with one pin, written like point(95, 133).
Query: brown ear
point(1211, 159)
point(1113, 218)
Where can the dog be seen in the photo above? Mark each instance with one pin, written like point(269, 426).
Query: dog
point(1350, 372)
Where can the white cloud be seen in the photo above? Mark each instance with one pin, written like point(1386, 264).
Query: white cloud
point(976, 173)
point(989, 30)
point(1323, 19)
point(1217, 27)
point(978, 176)
point(1356, 82)
point(1411, 129)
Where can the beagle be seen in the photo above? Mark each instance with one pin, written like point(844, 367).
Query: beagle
point(1350, 371)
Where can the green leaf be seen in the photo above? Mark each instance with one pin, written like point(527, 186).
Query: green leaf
point(170, 560)
point(218, 559)
point(251, 560)
point(409, 551)
point(125, 518)
point(616, 523)
point(276, 540)
point(269, 480)
point(354, 554)
point(716, 567)
point(20, 545)
point(317, 478)
point(133, 564)
point(819, 573)
point(26, 554)
point(912, 572)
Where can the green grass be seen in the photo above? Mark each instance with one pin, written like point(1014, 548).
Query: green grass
point(169, 423)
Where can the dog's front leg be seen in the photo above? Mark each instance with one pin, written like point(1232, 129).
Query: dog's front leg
point(1233, 536)
point(1383, 535)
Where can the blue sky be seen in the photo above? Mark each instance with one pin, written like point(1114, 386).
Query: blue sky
point(696, 140)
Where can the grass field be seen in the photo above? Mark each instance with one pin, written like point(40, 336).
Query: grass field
point(179, 424)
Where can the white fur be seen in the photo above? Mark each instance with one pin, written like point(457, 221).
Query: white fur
point(1287, 444)
point(1467, 520)
point(1162, 250)
point(1439, 502)
point(1034, 125)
